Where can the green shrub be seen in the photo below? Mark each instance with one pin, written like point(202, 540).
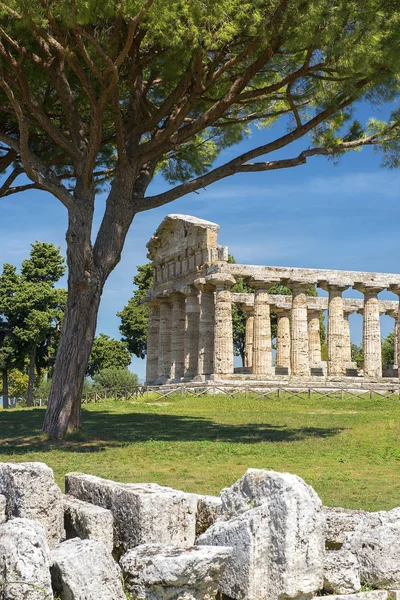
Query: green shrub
point(114, 377)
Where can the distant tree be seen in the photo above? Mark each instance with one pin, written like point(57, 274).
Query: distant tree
point(135, 315)
point(107, 353)
point(31, 306)
point(357, 355)
point(388, 349)
point(115, 378)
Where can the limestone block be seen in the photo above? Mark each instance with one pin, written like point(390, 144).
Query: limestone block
point(87, 521)
point(85, 570)
point(268, 510)
point(171, 573)
point(31, 492)
point(373, 595)
point(376, 543)
point(394, 594)
point(2, 509)
point(143, 513)
point(341, 572)
point(209, 509)
point(24, 561)
point(339, 523)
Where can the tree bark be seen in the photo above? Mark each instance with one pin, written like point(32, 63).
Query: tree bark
point(31, 380)
point(88, 269)
point(4, 375)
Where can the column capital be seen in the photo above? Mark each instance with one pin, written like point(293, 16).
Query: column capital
point(221, 280)
point(333, 286)
point(280, 310)
point(189, 290)
point(261, 284)
point(393, 313)
point(349, 310)
point(298, 285)
point(314, 312)
point(247, 308)
point(395, 288)
point(368, 289)
point(203, 285)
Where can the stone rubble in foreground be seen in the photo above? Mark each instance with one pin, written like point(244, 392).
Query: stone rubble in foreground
point(267, 537)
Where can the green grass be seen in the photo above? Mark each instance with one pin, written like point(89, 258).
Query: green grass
point(348, 450)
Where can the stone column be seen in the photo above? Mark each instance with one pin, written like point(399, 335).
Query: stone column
point(282, 359)
point(248, 356)
point(153, 335)
point(206, 330)
point(299, 357)
point(262, 349)
point(346, 335)
point(178, 336)
point(314, 337)
point(371, 331)
point(393, 314)
point(223, 334)
point(336, 362)
point(396, 290)
point(191, 345)
point(164, 340)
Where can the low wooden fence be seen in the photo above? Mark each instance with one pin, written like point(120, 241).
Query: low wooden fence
point(255, 392)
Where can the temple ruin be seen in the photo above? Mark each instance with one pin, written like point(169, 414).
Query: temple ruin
point(190, 335)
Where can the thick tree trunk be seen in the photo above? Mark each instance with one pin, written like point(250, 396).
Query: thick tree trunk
point(78, 331)
point(31, 380)
point(88, 269)
point(4, 377)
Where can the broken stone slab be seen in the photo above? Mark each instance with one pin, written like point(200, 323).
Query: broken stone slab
point(341, 572)
point(143, 512)
point(2, 509)
point(156, 572)
point(24, 561)
point(372, 595)
point(209, 509)
point(376, 543)
point(339, 523)
point(85, 570)
point(277, 537)
point(31, 493)
point(88, 521)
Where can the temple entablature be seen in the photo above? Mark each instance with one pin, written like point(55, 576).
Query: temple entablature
point(190, 313)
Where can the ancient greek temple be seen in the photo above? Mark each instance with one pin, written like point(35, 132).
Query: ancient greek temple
point(190, 335)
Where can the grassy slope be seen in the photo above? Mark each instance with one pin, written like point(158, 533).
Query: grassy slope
point(348, 450)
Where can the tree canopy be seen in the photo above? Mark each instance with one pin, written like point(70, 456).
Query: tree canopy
point(107, 353)
point(104, 95)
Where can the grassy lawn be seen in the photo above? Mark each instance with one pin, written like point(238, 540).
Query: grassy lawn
point(348, 450)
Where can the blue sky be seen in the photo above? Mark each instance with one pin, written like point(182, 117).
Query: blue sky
point(318, 215)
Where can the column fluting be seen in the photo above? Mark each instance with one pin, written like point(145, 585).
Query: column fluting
point(164, 340)
point(178, 336)
point(336, 340)
point(262, 349)
point(248, 350)
point(314, 338)
point(371, 332)
point(282, 359)
point(191, 344)
point(223, 333)
point(152, 346)
point(206, 330)
point(299, 357)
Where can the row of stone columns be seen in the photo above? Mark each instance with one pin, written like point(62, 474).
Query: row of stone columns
point(190, 333)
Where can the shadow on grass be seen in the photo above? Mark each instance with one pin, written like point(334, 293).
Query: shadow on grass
point(20, 431)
